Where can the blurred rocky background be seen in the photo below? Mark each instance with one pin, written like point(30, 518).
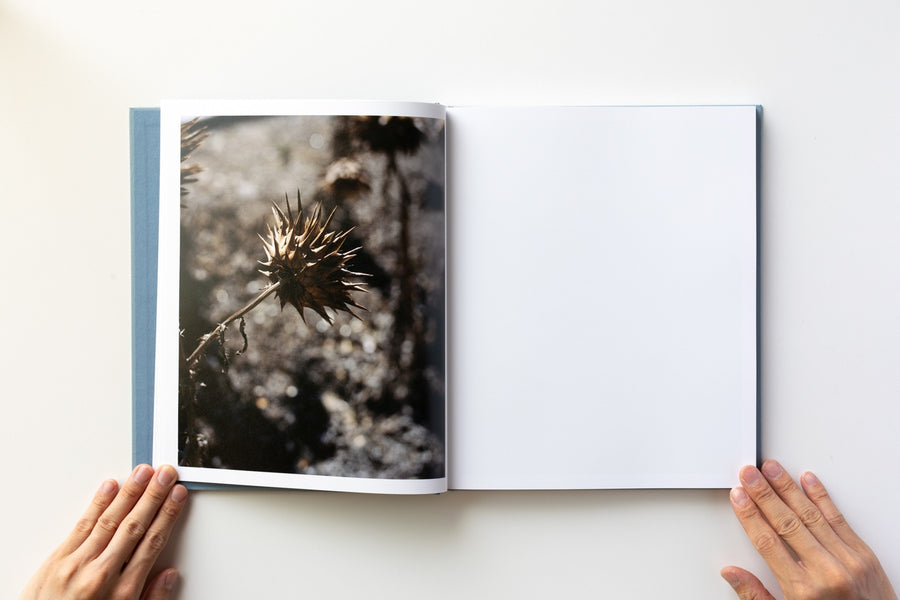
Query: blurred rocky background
point(357, 397)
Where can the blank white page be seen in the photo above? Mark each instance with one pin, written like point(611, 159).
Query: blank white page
point(602, 296)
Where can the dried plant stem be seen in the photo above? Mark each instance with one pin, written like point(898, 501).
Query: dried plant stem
point(406, 322)
point(218, 331)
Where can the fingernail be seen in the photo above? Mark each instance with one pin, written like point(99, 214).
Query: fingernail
point(731, 579)
point(170, 580)
point(179, 494)
point(739, 497)
point(108, 487)
point(772, 469)
point(142, 474)
point(750, 475)
point(810, 480)
point(166, 476)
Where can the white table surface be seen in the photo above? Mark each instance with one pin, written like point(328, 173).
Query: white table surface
point(826, 74)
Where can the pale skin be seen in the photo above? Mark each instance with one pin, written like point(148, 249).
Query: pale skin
point(829, 561)
point(799, 532)
point(113, 549)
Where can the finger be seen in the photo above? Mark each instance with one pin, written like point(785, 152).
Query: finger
point(802, 506)
point(162, 586)
point(783, 520)
point(745, 584)
point(766, 541)
point(835, 519)
point(150, 547)
point(137, 522)
point(85, 525)
point(108, 522)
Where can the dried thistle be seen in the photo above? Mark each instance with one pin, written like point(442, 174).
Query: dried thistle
point(307, 263)
point(192, 136)
point(307, 269)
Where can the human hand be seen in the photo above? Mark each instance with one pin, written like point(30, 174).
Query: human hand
point(804, 539)
point(116, 542)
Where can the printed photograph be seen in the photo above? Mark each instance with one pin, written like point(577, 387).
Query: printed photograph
point(312, 317)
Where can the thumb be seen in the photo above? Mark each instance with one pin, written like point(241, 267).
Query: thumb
point(162, 585)
point(745, 584)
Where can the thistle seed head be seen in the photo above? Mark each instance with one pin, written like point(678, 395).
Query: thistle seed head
point(309, 262)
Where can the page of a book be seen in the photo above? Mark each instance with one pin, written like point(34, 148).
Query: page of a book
point(300, 314)
point(603, 296)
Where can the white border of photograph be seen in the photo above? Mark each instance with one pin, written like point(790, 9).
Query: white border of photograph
point(165, 437)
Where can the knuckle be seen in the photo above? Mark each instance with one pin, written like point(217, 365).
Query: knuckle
point(84, 527)
point(788, 526)
point(156, 541)
point(837, 520)
point(868, 557)
point(817, 494)
point(861, 566)
point(65, 571)
point(766, 495)
point(810, 516)
point(87, 587)
point(812, 589)
point(767, 543)
point(125, 591)
point(837, 584)
point(107, 524)
point(132, 492)
point(170, 510)
point(134, 528)
point(155, 493)
point(99, 502)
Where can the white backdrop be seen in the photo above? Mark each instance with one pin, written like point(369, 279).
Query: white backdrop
point(826, 73)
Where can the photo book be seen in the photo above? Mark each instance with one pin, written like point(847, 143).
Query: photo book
point(408, 298)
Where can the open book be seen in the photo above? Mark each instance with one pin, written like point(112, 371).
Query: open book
point(410, 298)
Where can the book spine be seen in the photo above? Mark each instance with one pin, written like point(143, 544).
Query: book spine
point(144, 144)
